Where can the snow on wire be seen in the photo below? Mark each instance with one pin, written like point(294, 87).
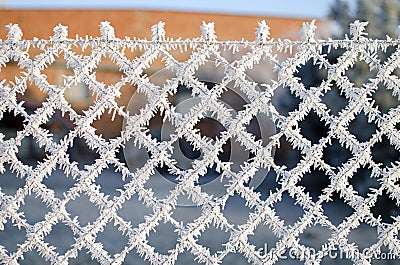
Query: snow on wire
point(206, 48)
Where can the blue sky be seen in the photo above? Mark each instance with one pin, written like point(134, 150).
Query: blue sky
point(290, 8)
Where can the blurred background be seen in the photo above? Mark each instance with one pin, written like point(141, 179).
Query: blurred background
point(234, 20)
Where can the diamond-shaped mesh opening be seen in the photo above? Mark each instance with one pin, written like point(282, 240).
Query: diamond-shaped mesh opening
point(386, 208)
point(54, 71)
point(262, 128)
point(133, 258)
point(126, 90)
point(211, 175)
point(284, 101)
point(288, 210)
point(236, 210)
point(310, 74)
point(29, 152)
point(32, 257)
point(119, 154)
point(235, 258)
point(364, 236)
point(108, 125)
point(135, 157)
point(184, 258)
point(113, 241)
point(233, 100)
point(156, 127)
point(61, 237)
point(185, 154)
point(155, 65)
point(9, 182)
point(59, 125)
point(134, 211)
point(361, 128)
point(313, 128)
point(83, 258)
point(33, 98)
point(336, 210)
point(360, 73)
point(161, 183)
point(188, 150)
point(383, 55)
point(79, 96)
point(108, 73)
point(59, 183)
point(263, 71)
point(83, 209)
point(384, 98)
point(213, 239)
point(10, 124)
point(34, 209)
point(254, 128)
point(12, 236)
point(286, 155)
point(212, 183)
point(334, 99)
point(9, 71)
point(163, 238)
point(263, 238)
point(77, 92)
point(111, 182)
point(210, 127)
point(384, 152)
point(268, 185)
point(186, 214)
point(362, 181)
point(315, 236)
point(81, 153)
point(314, 182)
point(182, 93)
point(335, 154)
point(210, 76)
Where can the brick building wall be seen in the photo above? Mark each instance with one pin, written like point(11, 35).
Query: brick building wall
point(137, 23)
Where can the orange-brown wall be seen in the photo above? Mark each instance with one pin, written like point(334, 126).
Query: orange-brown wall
point(137, 23)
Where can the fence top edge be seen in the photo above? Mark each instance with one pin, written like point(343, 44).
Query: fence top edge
point(358, 36)
point(196, 42)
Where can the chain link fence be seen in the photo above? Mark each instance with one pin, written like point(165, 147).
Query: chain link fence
point(214, 152)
